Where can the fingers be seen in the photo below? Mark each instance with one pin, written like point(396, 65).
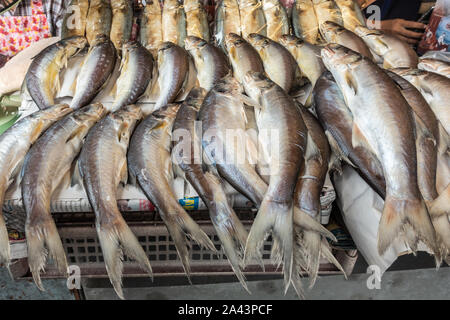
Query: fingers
point(413, 24)
point(411, 34)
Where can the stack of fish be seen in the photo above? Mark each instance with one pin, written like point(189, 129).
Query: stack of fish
point(391, 125)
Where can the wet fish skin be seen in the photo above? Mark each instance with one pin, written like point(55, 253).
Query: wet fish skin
point(391, 123)
point(276, 18)
point(103, 167)
point(151, 27)
point(351, 14)
point(135, 75)
point(307, 56)
point(304, 21)
point(173, 65)
point(210, 61)
point(252, 18)
point(278, 62)
point(173, 22)
point(14, 145)
point(46, 165)
point(149, 160)
point(196, 19)
point(395, 52)
point(121, 22)
point(327, 10)
point(187, 154)
point(99, 19)
point(97, 67)
point(436, 66)
point(42, 78)
point(227, 20)
point(334, 33)
point(337, 120)
point(74, 21)
point(278, 113)
point(243, 56)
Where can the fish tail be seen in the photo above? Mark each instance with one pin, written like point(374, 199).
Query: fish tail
point(299, 265)
point(327, 254)
point(306, 222)
point(442, 226)
point(229, 229)
point(115, 240)
point(410, 217)
point(43, 240)
point(5, 250)
point(181, 224)
point(310, 245)
point(278, 218)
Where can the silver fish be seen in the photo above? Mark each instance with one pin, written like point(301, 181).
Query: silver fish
point(99, 19)
point(173, 22)
point(97, 68)
point(46, 165)
point(42, 78)
point(103, 167)
point(196, 19)
point(351, 14)
point(14, 145)
point(252, 18)
point(227, 20)
point(304, 21)
point(121, 23)
point(436, 66)
point(276, 18)
point(149, 160)
point(151, 26)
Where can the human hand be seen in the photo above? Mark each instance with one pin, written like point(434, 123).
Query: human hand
point(400, 28)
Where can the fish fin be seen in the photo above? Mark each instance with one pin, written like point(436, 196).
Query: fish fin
point(249, 101)
point(275, 217)
point(43, 240)
point(229, 228)
point(441, 205)
point(441, 225)
point(327, 254)
point(76, 175)
point(352, 84)
point(337, 150)
point(407, 216)
point(124, 174)
point(312, 150)
point(115, 240)
point(309, 243)
point(299, 266)
point(306, 222)
point(180, 224)
point(5, 249)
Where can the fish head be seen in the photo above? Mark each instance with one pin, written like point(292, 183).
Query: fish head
point(196, 96)
point(130, 46)
point(228, 85)
point(330, 31)
point(45, 118)
point(192, 43)
point(99, 39)
point(232, 40)
point(74, 44)
point(258, 41)
point(255, 84)
point(125, 120)
point(90, 114)
point(374, 39)
point(288, 40)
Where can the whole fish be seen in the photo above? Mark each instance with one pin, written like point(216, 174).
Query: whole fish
point(383, 122)
point(196, 19)
point(173, 68)
point(304, 21)
point(435, 88)
point(394, 52)
point(279, 63)
point(327, 10)
point(243, 56)
point(173, 22)
point(150, 162)
point(227, 20)
point(210, 61)
point(121, 23)
point(252, 18)
point(14, 145)
point(46, 165)
point(74, 21)
point(427, 140)
point(334, 33)
point(97, 68)
point(42, 78)
point(307, 56)
point(351, 14)
point(151, 27)
point(276, 18)
point(103, 167)
point(278, 113)
point(99, 19)
point(337, 121)
point(135, 74)
point(436, 66)
point(188, 155)
point(307, 195)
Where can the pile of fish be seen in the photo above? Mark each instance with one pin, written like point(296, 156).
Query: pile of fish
point(371, 108)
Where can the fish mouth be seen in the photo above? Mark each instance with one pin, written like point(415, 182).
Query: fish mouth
point(258, 40)
point(100, 38)
point(166, 45)
point(232, 39)
point(192, 42)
